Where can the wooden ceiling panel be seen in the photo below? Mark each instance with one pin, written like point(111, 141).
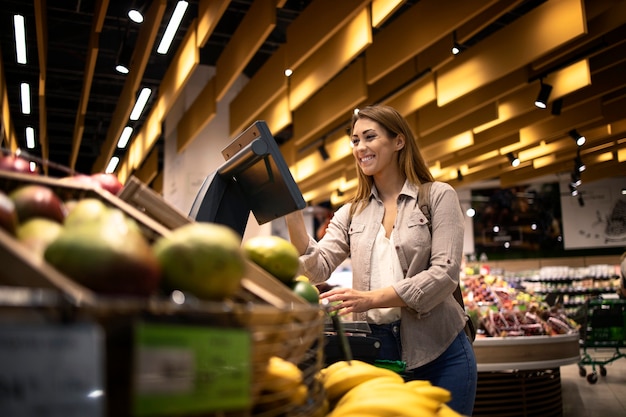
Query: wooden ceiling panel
point(544, 29)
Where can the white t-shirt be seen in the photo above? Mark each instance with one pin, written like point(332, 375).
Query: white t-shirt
point(386, 270)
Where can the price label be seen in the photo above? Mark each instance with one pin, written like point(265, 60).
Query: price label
point(190, 369)
point(51, 370)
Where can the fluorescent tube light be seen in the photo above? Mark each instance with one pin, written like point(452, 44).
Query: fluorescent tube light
point(112, 165)
point(124, 137)
point(30, 138)
point(140, 103)
point(25, 90)
point(172, 27)
point(20, 38)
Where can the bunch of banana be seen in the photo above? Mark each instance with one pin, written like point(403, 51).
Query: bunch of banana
point(282, 385)
point(355, 389)
point(340, 377)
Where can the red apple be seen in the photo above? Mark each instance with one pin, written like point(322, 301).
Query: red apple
point(81, 179)
point(16, 164)
point(35, 200)
point(109, 182)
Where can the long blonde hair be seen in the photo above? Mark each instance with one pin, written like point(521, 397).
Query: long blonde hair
point(410, 159)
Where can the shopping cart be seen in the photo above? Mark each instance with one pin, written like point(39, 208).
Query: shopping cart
point(603, 325)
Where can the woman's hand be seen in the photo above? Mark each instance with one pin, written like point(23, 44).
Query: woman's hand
point(347, 300)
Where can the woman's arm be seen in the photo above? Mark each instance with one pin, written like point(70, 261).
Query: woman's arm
point(297, 231)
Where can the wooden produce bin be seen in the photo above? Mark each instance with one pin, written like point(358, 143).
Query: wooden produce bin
point(120, 334)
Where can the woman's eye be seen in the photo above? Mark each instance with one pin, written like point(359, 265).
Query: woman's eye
point(370, 138)
point(354, 142)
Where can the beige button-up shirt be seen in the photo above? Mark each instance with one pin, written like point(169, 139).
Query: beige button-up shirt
point(431, 265)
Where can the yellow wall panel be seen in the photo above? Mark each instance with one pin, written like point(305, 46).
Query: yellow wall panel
point(307, 33)
point(257, 24)
point(538, 32)
point(267, 84)
point(416, 29)
point(330, 59)
point(339, 97)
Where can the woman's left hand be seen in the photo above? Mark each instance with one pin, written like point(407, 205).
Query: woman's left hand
point(347, 300)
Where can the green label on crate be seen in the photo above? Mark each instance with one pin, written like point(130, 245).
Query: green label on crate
point(190, 369)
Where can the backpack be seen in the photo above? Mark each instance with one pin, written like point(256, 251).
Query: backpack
point(423, 202)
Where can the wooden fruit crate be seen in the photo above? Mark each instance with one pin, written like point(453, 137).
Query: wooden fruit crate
point(279, 322)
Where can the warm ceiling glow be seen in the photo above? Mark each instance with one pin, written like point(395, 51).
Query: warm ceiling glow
point(605, 157)
point(544, 161)
point(382, 9)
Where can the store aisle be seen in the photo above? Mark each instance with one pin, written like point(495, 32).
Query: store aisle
point(606, 398)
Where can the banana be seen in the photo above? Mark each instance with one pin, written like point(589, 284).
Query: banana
point(367, 388)
point(299, 395)
point(418, 383)
point(335, 366)
point(342, 380)
point(398, 403)
point(446, 411)
point(281, 375)
point(439, 394)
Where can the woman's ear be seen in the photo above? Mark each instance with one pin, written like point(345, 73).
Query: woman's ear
point(399, 142)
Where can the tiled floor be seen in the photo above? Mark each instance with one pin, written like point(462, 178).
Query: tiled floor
point(605, 398)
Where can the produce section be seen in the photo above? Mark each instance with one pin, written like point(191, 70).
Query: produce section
point(138, 313)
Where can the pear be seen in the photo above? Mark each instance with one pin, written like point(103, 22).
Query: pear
point(37, 233)
point(203, 259)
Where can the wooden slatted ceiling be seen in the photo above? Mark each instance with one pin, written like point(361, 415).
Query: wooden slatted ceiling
point(493, 113)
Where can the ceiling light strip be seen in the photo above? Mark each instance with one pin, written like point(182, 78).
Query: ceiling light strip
point(19, 26)
point(172, 27)
point(140, 104)
point(25, 93)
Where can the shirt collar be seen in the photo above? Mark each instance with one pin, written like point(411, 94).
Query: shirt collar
point(409, 189)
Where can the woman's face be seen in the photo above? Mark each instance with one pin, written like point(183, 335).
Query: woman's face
point(372, 148)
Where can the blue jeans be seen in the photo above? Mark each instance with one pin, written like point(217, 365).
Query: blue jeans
point(454, 370)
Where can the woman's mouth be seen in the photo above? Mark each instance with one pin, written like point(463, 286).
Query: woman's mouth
point(366, 158)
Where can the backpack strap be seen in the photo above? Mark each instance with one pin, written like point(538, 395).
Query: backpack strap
point(423, 202)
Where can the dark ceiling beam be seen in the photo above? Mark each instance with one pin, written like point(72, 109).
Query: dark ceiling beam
point(139, 61)
point(42, 54)
point(100, 13)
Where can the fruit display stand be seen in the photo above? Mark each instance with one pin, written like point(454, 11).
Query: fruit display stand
point(519, 376)
point(75, 352)
point(519, 351)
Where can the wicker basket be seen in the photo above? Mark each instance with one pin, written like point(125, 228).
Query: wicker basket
point(279, 322)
